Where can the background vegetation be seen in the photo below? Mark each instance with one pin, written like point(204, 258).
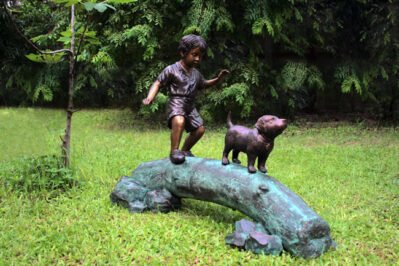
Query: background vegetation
point(348, 173)
point(285, 56)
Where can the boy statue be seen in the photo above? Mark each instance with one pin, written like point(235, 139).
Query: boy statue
point(183, 80)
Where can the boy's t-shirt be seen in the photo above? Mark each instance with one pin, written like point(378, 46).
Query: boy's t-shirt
point(182, 87)
point(179, 82)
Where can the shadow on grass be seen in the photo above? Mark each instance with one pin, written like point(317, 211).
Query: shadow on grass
point(211, 211)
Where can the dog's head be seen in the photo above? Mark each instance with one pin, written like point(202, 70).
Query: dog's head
point(271, 126)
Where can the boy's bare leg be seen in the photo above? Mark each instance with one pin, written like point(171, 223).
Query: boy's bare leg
point(193, 138)
point(176, 156)
point(177, 132)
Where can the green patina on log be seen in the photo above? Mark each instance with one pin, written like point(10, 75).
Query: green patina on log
point(261, 197)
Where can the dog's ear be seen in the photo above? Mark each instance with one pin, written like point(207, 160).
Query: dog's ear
point(261, 124)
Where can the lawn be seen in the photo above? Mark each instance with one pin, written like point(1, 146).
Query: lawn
point(348, 173)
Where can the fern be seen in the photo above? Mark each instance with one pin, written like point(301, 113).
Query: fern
point(201, 16)
point(150, 49)
point(236, 95)
point(273, 92)
point(223, 19)
point(290, 45)
point(315, 78)
point(246, 72)
point(384, 73)
point(294, 75)
point(80, 81)
point(141, 32)
point(148, 77)
point(118, 39)
point(45, 91)
point(255, 10)
point(342, 72)
point(250, 75)
point(149, 13)
point(270, 14)
point(257, 27)
point(192, 29)
point(348, 78)
point(158, 104)
point(298, 15)
point(38, 83)
point(143, 35)
point(277, 18)
point(103, 60)
point(297, 80)
point(351, 82)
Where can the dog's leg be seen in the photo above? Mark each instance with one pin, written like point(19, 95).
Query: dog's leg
point(262, 163)
point(251, 163)
point(226, 151)
point(235, 157)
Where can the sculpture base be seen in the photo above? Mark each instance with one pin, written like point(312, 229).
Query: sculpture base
point(159, 185)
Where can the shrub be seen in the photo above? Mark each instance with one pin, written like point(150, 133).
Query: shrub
point(44, 174)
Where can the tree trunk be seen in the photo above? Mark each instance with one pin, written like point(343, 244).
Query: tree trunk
point(66, 141)
point(259, 196)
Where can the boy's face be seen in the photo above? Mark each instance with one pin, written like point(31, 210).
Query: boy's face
point(193, 57)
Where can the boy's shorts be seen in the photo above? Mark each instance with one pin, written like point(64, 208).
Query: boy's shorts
point(184, 106)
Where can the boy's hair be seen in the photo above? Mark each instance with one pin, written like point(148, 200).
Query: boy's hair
point(192, 41)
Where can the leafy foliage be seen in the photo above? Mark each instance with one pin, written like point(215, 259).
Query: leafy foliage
point(143, 35)
point(349, 80)
point(292, 55)
point(233, 97)
point(45, 58)
point(43, 174)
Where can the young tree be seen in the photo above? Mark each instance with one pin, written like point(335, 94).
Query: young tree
point(72, 41)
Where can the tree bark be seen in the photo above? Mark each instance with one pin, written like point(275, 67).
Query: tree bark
point(259, 196)
point(66, 141)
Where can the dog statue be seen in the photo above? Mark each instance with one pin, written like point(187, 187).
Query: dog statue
point(256, 143)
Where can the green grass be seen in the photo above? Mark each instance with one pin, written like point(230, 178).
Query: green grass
point(348, 173)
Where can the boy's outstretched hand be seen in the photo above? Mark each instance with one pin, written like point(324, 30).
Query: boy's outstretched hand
point(223, 73)
point(219, 78)
point(152, 93)
point(147, 101)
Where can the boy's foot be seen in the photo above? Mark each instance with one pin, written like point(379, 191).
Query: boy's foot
point(188, 154)
point(177, 157)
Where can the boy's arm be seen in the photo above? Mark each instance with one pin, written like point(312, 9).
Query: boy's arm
point(152, 93)
point(219, 78)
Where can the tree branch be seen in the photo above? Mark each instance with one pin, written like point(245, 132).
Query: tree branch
point(31, 44)
point(27, 40)
point(56, 51)
point(82, 36)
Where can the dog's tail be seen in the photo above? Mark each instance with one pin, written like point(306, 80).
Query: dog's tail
point(229, 123)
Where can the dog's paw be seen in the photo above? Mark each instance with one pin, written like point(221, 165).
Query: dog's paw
point(251, 169)
point(236, 161)
point(225, 161)
point(263, 170)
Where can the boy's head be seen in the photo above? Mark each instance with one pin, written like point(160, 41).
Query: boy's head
point(189, 42)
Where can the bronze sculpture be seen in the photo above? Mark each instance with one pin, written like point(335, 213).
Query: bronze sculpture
point(159, 186)
point(283, 220)
point(183, 80)
point(256, 143)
